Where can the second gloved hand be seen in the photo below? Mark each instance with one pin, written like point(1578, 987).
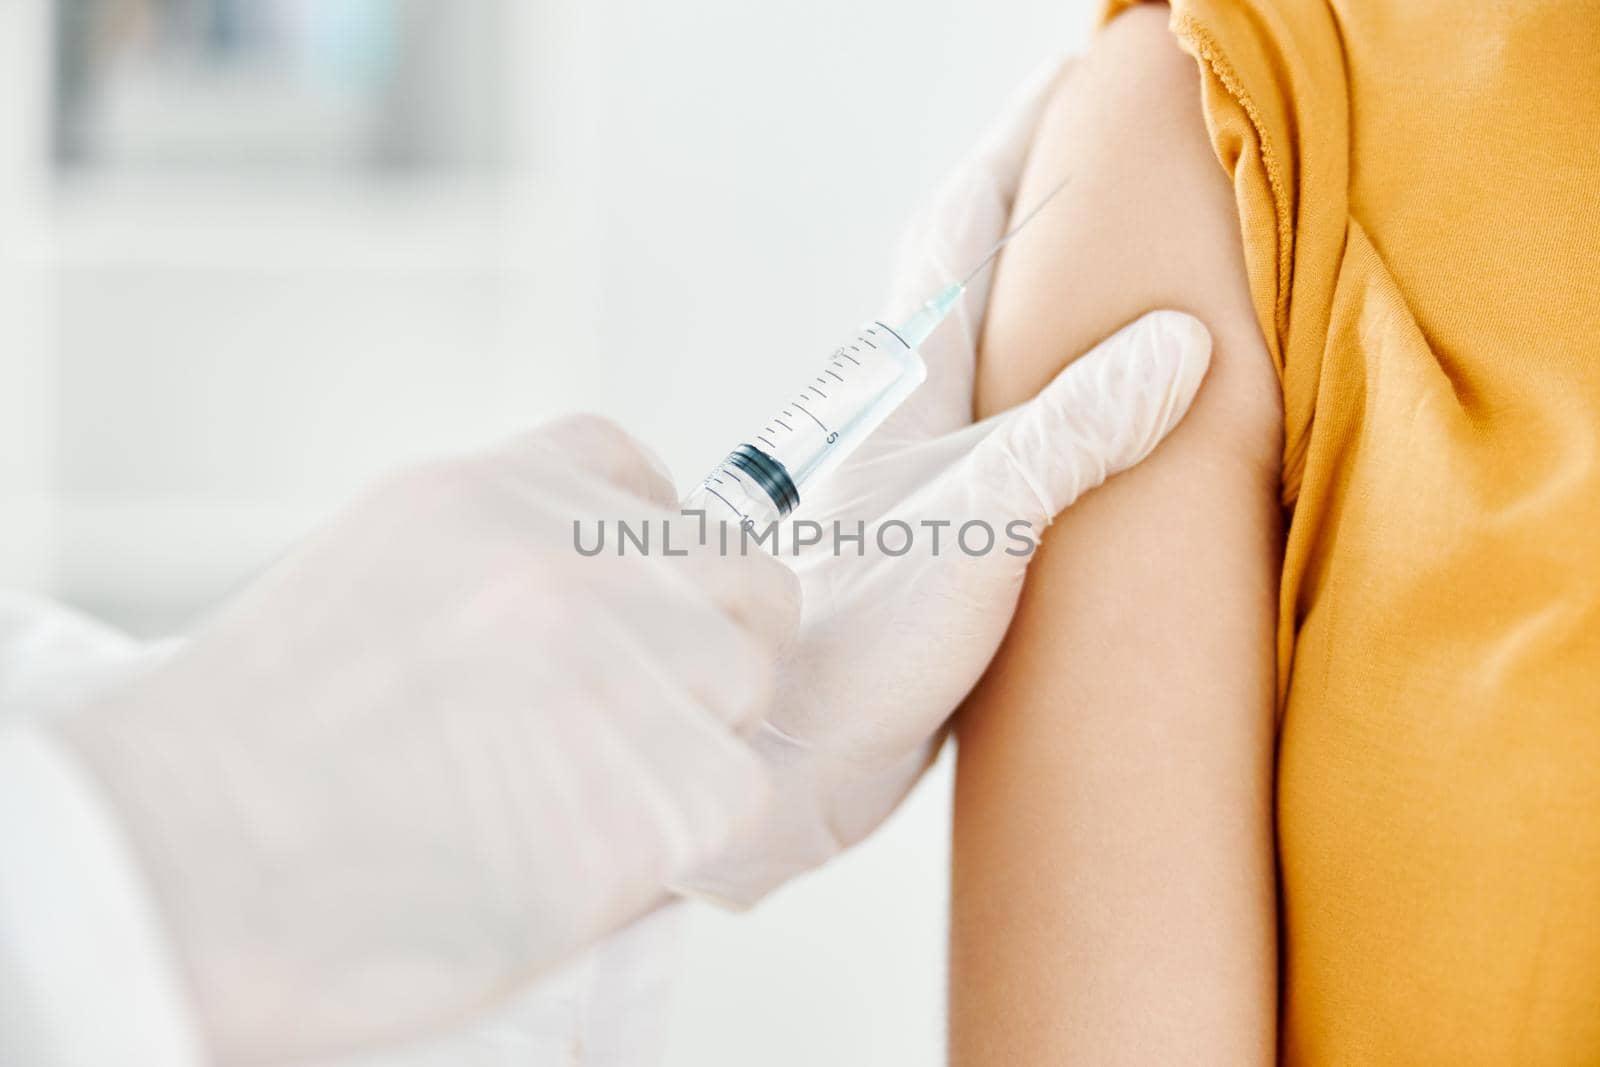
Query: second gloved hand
point(898, 627)
point(438, 748)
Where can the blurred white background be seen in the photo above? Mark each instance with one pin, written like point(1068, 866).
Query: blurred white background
point(255, 252)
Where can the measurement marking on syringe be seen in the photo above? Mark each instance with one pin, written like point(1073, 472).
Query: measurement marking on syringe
point(853, 359)
point(814, 389)
point(785, 425)
point(725, 500)
point(866, 342)
point(890, 330)
point(761, 437)
point(835, 375)
point(812, 417)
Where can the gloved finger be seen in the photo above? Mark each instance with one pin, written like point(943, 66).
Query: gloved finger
point(687, 772)
point(1101, 415)
point(595, 447)
point(757, 591)
point(675, 632)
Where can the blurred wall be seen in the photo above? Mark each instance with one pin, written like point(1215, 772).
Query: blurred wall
point(678, 208)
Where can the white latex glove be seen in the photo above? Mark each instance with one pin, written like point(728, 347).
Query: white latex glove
point(436, 750)
point(891, 644)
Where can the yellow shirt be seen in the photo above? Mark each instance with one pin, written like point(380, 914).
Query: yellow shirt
point(1418, 184)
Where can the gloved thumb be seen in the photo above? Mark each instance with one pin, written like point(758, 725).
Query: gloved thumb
point(1101, 415)
point(597, 448)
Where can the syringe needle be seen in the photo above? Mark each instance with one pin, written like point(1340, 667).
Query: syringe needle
point(998, 245)
point(920, 326)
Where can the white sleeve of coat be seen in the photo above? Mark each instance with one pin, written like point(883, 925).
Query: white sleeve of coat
point(86, 977)
point(52, 658)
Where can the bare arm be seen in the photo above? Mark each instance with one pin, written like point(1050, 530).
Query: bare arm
point(1113, 896)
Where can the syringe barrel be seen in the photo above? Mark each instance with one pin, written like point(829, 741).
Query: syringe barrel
point(827, 418)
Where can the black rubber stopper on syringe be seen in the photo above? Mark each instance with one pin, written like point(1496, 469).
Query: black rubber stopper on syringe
point(769, 474)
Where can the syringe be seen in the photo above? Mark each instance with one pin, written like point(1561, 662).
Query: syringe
point(862, 383)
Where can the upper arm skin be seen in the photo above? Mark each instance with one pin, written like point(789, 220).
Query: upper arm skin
point(1113, 890)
